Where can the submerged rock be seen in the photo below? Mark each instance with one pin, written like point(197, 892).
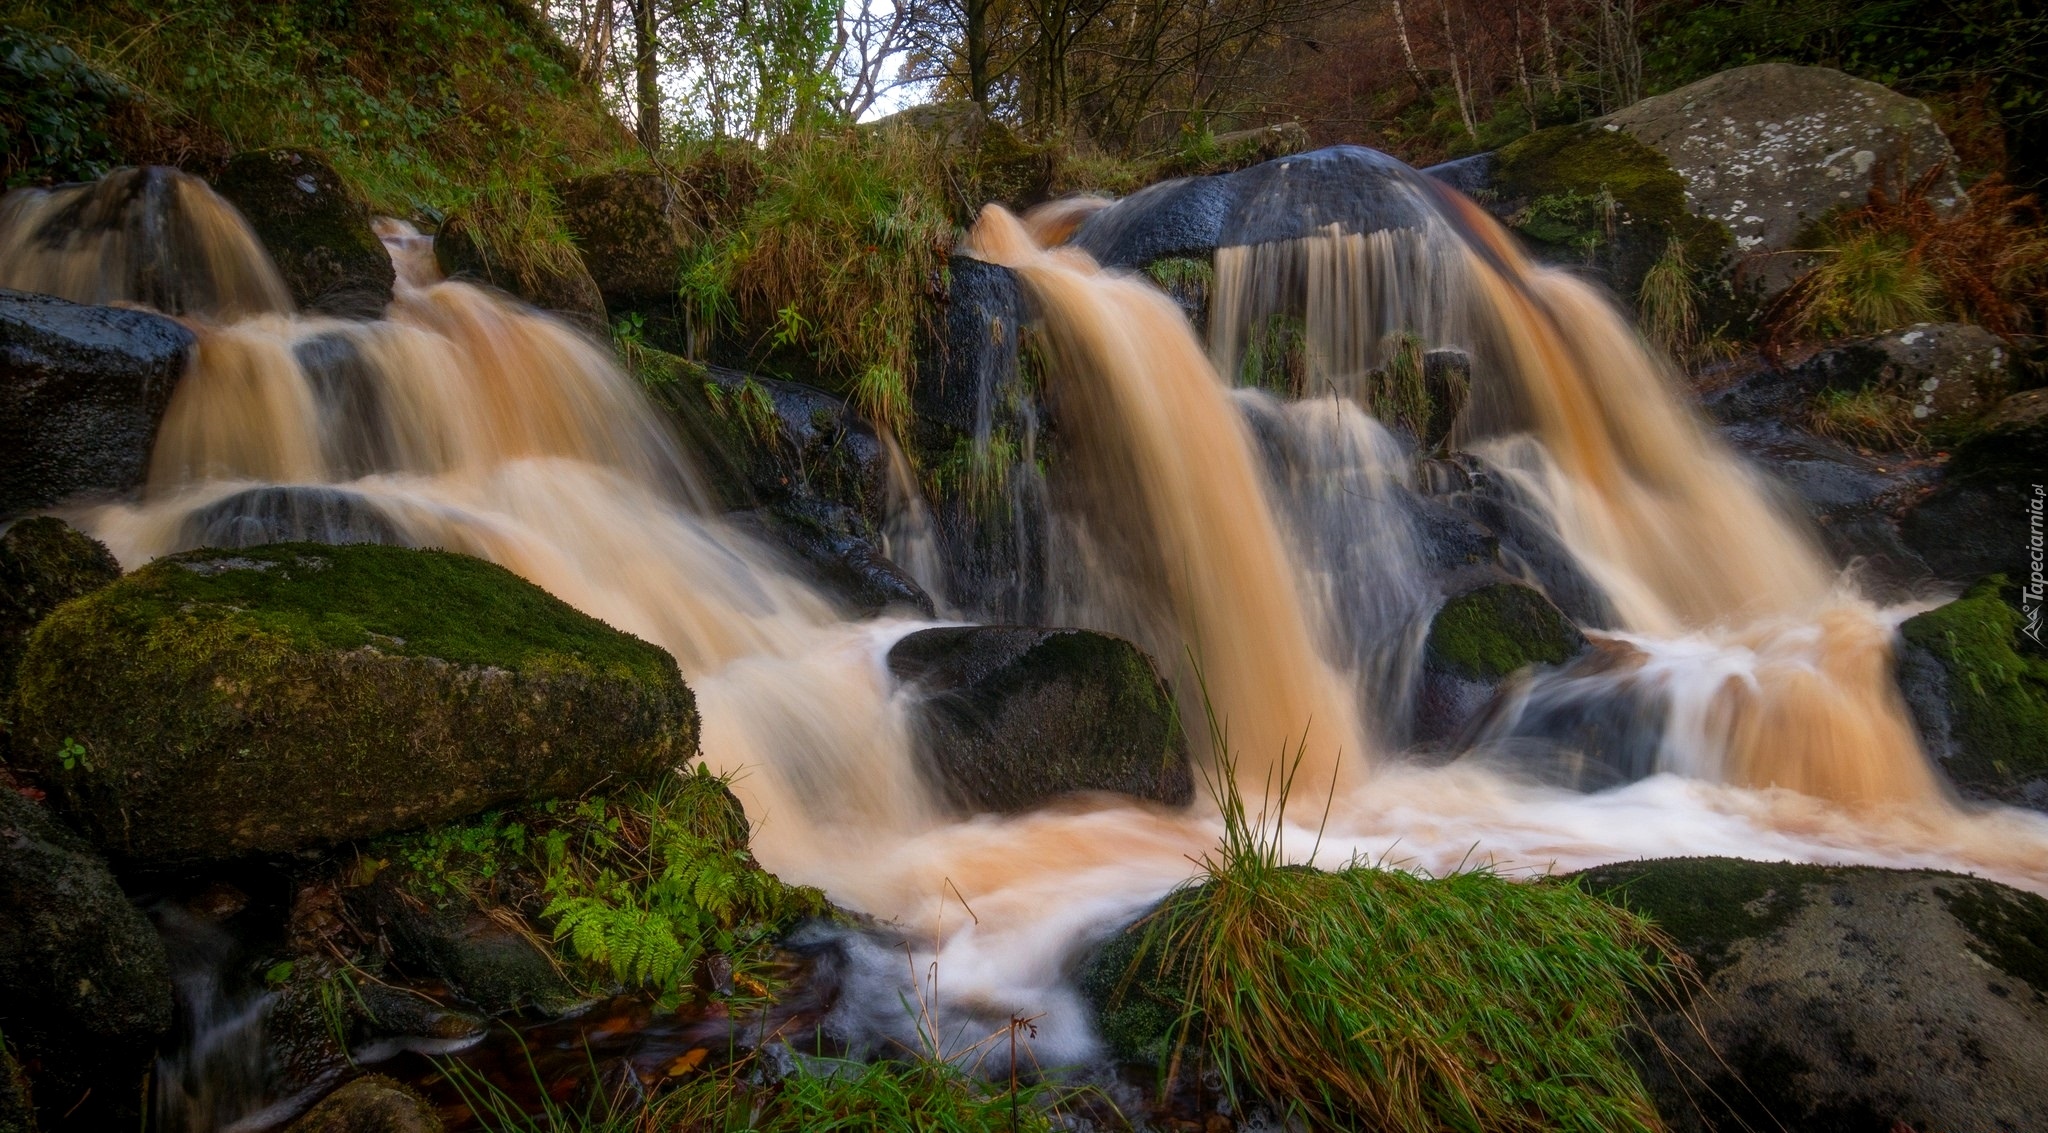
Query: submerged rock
point(43, 563)
point(1012, 717)
point(316, 229)
point(829, 549)
point(1978, 691)
point(290, 513)
point(1477, 640)
point(370, 1104)
point(1844, 998)
point(85, 989)
point(220, 703)
point(82, 390)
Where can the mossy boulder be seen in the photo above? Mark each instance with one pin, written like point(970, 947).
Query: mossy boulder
point(1138, 993)
point(220, 703)
point(555, 282)
point(85, 988)
point(1012, 717)
point(43, 563)
point(1842, 998)
point(17, 1111)
point(316, 228)
point(1950, 373)
point(1477, 640)
point(1974, 524)
point(1978, 690)
point(632, 230)
point(370, 1104)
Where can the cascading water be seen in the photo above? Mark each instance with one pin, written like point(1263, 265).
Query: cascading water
point(1261, 550)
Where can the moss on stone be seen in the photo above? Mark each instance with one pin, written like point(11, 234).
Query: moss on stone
point(2008, 928)
point(1488, 633)
point(226, 702)
point(1707, 905)
point(1997, 695)
point(315, 227)
point(43, 563)
point(1140, 996)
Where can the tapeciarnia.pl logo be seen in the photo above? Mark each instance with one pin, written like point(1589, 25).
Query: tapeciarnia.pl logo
point(2036, 590)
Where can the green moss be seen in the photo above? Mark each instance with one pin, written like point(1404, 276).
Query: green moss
point(2008, 928)
point(1997, 696)
point(43, 563)
point(1488, 633)
point(1707, 905)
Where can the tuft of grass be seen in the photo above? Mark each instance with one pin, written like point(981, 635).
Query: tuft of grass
point(1396, 393)
point(978, 474)
point(1276, 356)
point(1668, 303)
point(1871, 417)
point(1868, 282)
point(1371, 998)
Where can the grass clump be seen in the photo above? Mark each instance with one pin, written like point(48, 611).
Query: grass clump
point(1369, 998)
point(1871, 417)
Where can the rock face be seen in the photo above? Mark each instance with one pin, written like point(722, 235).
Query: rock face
point(1768, 149)
point(1978, 690)
point(221, 703)
point(1476, 641)
point(43, 563)
point(1013, 717)
point(370, 1104)
point(564, 287)
point(85, 990)
point(315, 228)
point(1973, 524)
point(82, 390)
point(632, 232)
point(1844, 998)
point(1951, 372)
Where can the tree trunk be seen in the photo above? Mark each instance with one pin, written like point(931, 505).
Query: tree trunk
point(1408, 49)
point(1459, 86)
point(645, 73)
point(977, 52)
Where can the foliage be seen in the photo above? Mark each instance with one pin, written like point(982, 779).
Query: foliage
point(1374, 998)
point(1396, 392)
point(978, 474)
point(1871, 417)
point(748, 406)
point(1275, 355)
point(54, 112)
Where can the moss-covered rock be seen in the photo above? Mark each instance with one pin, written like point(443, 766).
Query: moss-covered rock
point(315, 227)
point(17, 1110)
point(43, 563)
point(558, 283)
point(490, 963)
point(85, 989)
point(1477, 640)
point(370, 1104)
point(632, 231)
point(1138, 994)
point(1012, 717)
point(230, 702)
point(1979, 692)
point(1842, 998)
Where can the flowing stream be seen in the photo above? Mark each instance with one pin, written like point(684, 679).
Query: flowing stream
point(1247, 543)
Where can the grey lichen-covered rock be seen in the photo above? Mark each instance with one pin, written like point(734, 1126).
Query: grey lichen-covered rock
point(85, 989)
point(1012, 717)
point(1768, 149)
point(1477, 640)
point(315, 227)
point(82, 390)
point(559, 283)
point(1843, 998)
point(43, 563)
point(265, 700)
point(370, 1104)
point(1950, 372)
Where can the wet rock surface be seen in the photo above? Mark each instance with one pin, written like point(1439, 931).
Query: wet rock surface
point(290, 514)
point(85, 990)
point(1950, 373)
point(370, 1104)
point(262, 700)
point(1843, 998)
point(1977, 687)
point(631, 231)
point(561, 284)
point(1972, 524)
point(1011, 717)
point(489, 963)
point(316, 229)
point(82, 390)
point(1477, 640)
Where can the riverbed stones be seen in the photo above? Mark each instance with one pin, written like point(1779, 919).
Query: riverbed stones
point(85, 989)
point(1843, 998)
point(82, 390)
point(315, 227)
point(1012, 717)
point(265, 700)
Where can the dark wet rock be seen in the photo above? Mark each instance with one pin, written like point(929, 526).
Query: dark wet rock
point(17, 1109)
point(43, 563)
point(1447, 375)
point(370, 1104)
point(561, 284)
point(1138, 995)
point(268, 699)
point(1528, 547)
point(1588, 725)
point(1468, 175)
point(316, 228)
point(85, 990)
point(985, 310)
point(827, 546)
point(1977, 686)
point(1477, 640)
point(795, 441)
point(632, 231)
point(489, 962)
point(1843, 998)
point(1012, 717)
point(1950, 372)
point(82, 390)
point(1769, 149)
point(1852, 498)
point(1975, 523)
point(290, 514)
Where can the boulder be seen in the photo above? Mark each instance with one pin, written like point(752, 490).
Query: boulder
point(1978, 690)
point(221, 703)
point(489, 963)
point(1843, 998)
point(1852, 498)
point(1974, 524)
point(43, 563)
point(289, 513)
point(632, 232)
point(1950, 372)
point(316, 228)
point(1767, 150)
point(82, 390)
point(85, 989)
point(1479, 639)
point(952, 124)
point(1011, 717)
point(370, 1104)
point(554, 283)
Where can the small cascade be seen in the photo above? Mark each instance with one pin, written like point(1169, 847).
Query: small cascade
point(219, 1077)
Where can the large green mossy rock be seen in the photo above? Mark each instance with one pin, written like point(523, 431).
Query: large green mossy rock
point(221, 703)
point(1479, 639)
point(315, 227)
point(85, 988)
point(1978, 690)
point(43, 563)
point(1843, 998)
